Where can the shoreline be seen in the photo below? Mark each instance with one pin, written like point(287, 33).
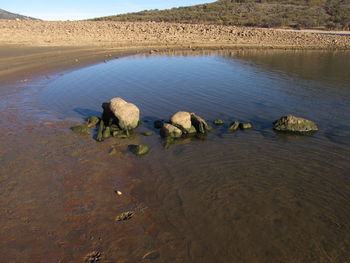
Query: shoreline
point(30, 48)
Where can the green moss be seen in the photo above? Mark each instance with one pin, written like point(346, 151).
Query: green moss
point(81, 129)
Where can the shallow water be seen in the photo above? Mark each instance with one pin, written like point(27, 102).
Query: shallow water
point(247, 196)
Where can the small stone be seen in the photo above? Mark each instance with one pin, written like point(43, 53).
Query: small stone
point(93, 257)
point(81, 129)
point(169, 130)
point(234, 126)
point(139, 149)
point(113, 151)
point(99, 137)
point(125, 216)
point(246, 125)
point(92, 121)
point(218, 122)
point(148, 133)
point(106, 133)
point(151, 255)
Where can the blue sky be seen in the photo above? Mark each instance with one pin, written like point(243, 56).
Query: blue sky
point(81, 9)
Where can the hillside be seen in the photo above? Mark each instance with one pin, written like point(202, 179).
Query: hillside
point(7, 15)
point(331, 14)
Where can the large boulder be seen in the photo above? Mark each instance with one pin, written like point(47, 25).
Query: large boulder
point(182, 119)
point(292, 123)
point(199, 123)
point(171, 131)
point(128, 114)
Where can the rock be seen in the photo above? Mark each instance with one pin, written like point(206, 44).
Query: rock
point(169, 130)
point(151, 255)
point(292, 123)
point(234, 126)
point(107, 115)
point(125, 216)
point(246, 125)
point(99, 137)
point(148, 133)
point(139, 149)
point(93, 257)
point(199, 123)
point(92, 121)
point(113, 151)
point(192, 130)
point(218, 122)
point(158, 124)
point(128, 114)
point(182, 119)
point(114, 128)
point(81, 129)
point(106, 133)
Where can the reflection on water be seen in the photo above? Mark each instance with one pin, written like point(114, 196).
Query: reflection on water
point(247, 196)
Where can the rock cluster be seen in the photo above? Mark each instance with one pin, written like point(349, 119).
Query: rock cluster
point(120, 118)
point(182, 124)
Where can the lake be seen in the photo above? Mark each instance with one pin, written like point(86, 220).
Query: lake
point(246, 196)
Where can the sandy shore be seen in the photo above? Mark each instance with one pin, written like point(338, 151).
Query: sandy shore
point(28, 47)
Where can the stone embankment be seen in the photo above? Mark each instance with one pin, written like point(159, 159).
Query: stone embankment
point(137, 34)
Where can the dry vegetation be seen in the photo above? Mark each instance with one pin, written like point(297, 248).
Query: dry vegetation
point(330, 14)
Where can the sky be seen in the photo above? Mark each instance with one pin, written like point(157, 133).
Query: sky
point(83, 9)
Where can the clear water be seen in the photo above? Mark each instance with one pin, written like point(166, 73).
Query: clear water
point(247, 196)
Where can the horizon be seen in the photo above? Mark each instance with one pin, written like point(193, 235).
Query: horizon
point(80, 10)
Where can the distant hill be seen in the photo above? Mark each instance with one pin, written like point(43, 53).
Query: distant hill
point(7, 15)
point(330, 14)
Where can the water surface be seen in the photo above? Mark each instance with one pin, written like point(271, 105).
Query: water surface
point(247, 196)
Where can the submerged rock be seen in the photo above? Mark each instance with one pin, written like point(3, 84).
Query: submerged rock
point(182, 119)
point(139, 149)
point(81, 129)
point(234, 126)
point(218, 122)
point(292, 123)
point(148, 133)
point(151, 255)
point(245, 126)
point(199, 123)
point(128, 114)
point(92, 121)
point(93, 257)
point(169, 130)
point(158, 124)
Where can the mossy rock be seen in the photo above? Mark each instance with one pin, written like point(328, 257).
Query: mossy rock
point(92, 121)
point(106, 133)
point(99, 137)
point(234, 126)
point(295, 124)
point(245, 126)
point(147, 133)
point(218, 122)
point(139, 149)
point(114, 128)
point(81, 129)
